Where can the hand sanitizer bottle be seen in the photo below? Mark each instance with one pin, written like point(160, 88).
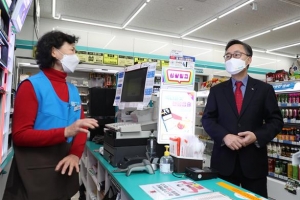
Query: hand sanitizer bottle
point(166, 165)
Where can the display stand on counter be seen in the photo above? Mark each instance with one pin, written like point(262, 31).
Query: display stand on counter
point(281, 149)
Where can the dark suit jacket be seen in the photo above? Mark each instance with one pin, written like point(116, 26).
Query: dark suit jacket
point(221, 118)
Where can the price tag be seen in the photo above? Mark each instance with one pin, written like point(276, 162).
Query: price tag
point(276, 175)
point(111, 59)
point(289, 104)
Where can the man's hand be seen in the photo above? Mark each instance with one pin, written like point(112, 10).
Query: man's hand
point(248, 137)
point(233, 142)
point(80, 125)
point(71, 162)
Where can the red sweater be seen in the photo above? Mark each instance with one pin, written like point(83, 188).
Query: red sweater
point(25, 110)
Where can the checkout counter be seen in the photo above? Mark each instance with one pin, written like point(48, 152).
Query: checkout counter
point(97, 175)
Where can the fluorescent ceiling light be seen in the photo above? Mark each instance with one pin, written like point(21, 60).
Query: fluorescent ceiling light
point(285, 25)
point(158, 48)
point(148, 1)
point(134, 15)
point(54, 10)
point(283, 47)
point(201, 26)
point(290, 2)
point(258, 50)
point(236, 8)
point(152, 33)
point(204, 41)
point(109, 42)
point(150, 40)
point(281, 54)
point(89, 23)
point(253, 36)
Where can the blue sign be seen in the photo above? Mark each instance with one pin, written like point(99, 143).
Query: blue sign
point(284, 86)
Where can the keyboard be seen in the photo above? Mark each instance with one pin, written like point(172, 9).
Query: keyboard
point(125, 126)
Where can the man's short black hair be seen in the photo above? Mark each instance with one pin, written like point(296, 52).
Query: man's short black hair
point(246, 46)
point(45, 44)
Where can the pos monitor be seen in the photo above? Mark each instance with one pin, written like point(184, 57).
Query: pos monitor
point(134, 85)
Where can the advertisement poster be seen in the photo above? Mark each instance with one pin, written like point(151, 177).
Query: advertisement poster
point(176, 114)
point(178, 77)
point(174, 189)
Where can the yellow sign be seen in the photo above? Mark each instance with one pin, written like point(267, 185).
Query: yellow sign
point(140, 60)
point(110, 59)
point(129, 61)
point(164, 63)
point(98, 58)
point(238, 191)
point(121, 60)
point(34, 51)
point(82, 55)
point(91, 57)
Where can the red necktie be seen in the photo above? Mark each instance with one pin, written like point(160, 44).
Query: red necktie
point(238, 96)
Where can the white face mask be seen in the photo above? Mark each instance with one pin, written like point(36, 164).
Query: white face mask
point(235, 66)
point(69, 62)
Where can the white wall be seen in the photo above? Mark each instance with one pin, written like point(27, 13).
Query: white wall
point(98, 37)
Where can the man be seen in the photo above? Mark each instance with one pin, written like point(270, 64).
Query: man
point(242, 117)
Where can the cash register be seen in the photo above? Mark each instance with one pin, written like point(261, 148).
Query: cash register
point(128, 138)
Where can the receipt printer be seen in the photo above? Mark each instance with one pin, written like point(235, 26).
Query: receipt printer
point(198, 174)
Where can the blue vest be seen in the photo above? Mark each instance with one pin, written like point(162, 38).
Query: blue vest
point(52, 111)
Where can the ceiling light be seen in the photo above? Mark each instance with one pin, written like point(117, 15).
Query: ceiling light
point(158, 48)
point(109, 42)
point(253, 36)
point(152, 33)
point(281, 54)
point(201, 26)
point(134, 15)
point(257, 50)
point(148, 1)
point(89, 23)
point(236, 8)
point(283, 47)
point(204, 41)
point(290, 2)
point(54, 10)
point(285, 25)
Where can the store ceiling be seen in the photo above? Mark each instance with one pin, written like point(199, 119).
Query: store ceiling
point(178, 17)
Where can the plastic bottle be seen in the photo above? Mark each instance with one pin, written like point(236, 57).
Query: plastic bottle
point(151, 146)
point(166, 165)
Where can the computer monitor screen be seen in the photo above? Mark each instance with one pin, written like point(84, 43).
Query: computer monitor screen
point(134, 85)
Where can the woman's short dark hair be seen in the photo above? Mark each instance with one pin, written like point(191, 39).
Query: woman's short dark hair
point(45, 44)
point(246, 46)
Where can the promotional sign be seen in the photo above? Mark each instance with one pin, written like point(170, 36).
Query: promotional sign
point(176, 114)
point(174, 189)
point(110, 59)
point(178, 77)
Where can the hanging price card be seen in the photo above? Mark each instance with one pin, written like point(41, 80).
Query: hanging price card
point(111, 59)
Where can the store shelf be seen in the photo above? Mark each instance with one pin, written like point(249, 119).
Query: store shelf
point(202, 93)
point(283, 105)
point(278, 176)
point(82, 86)
point(286, 142)
point(83, 95)
point(207, 141)
point(93, 175)
point(200, 106)
point(199, 116)
point(286, 86)
point(199, 127)
point(84, 104)
point(280, 157)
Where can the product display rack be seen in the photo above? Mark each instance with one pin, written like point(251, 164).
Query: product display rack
point(7, 43)
point(287, 142)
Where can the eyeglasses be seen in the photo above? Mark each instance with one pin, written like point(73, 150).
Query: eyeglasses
point(237, 54)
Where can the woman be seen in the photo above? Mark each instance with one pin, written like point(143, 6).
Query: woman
point(49, 129)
